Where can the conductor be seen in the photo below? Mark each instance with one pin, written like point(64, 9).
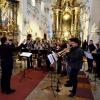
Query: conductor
point(6, 55)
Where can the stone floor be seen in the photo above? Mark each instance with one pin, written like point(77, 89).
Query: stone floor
point(40, 93)
point(95, 83)
point(44, 91)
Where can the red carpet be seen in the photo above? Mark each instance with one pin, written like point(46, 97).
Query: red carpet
point(25, 86)
point(84, 87)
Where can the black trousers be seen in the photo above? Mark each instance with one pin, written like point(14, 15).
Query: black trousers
point(5, 78)
point(29, 62)
point(74, 79)
point(59, 65)
point(48, 64)
point(90, 64)
point(98, 65)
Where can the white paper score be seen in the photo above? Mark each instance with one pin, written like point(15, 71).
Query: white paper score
point(50, 57)
point(25, 54)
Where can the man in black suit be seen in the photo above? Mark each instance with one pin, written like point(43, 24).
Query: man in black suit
point(91, 48)
point(6, 55)
point(75, 57)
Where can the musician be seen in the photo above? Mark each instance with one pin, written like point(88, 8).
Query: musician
point(85, 45)
point(58, 49)
point(28, 46)
point(91, 49)
point(0, 37)
point(6, 55)
point(75, 57)
point(98, 60)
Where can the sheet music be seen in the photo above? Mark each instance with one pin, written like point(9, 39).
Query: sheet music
point(50, 57)
point(88, 55)
point(25, 54)
point(54, 55)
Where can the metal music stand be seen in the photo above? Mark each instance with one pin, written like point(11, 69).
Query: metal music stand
point(23, 56)
point(58, 82)
point(52, 58)
point(51, 73)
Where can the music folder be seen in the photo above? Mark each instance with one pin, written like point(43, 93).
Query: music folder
point(25, 54)
point(54, 56)
point(88, 55)
point(50, 57)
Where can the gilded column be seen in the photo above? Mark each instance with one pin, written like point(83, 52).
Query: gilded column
point(72, 21)
point(1, 15)
point(76, 21)
point(60, 24)
point(56, 21)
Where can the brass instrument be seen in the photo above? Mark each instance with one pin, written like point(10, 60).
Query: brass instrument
point(63, 52)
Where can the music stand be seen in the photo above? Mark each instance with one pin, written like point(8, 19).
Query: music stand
point(24, 55)
point(51, 60)
point(56, 59)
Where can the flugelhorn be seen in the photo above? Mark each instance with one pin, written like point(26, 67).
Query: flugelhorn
point(63, 52)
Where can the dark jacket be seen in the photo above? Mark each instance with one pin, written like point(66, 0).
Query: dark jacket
point(91, 47)
point(75, 58)
point(6, 54)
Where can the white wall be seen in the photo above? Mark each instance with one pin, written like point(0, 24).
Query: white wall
point(31, 20)
point(22, 16)
point(94, 19)
point(95, 11)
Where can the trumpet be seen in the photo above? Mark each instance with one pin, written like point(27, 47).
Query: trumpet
point(63, 52)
